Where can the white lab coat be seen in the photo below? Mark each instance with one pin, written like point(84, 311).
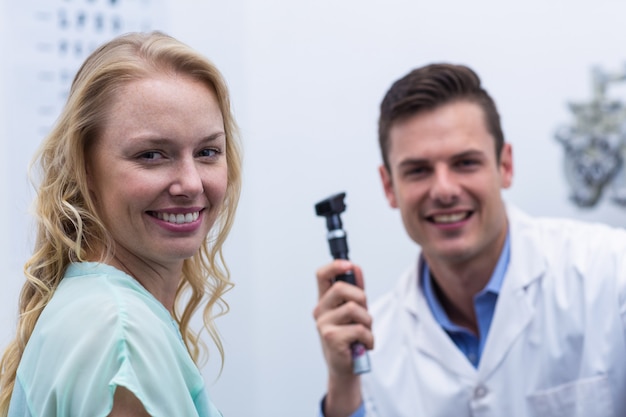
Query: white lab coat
point(556, 347)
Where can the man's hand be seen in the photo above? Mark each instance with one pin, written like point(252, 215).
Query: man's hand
point(342, 319)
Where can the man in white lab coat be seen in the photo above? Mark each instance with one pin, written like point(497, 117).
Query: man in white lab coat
point(500, 314)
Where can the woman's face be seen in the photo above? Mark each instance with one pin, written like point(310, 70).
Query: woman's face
point(158, 171)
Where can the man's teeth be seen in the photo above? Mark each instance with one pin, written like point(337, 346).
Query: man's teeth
point(179, 218)
point(449, 218)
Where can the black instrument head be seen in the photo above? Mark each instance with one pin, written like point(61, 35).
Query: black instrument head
point(331, 208)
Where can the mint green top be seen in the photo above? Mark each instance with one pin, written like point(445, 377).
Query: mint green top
point(102, 330)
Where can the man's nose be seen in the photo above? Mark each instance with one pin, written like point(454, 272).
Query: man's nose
point(445, 188)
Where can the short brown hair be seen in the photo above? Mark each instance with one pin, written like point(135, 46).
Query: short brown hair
point(429, 87)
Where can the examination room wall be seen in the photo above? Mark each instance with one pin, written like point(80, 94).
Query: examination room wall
point(306, 79)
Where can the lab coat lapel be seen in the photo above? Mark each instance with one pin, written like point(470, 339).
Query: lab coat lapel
point(430, 339)
point(515, 306)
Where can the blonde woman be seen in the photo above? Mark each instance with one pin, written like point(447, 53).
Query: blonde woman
point(140, 180)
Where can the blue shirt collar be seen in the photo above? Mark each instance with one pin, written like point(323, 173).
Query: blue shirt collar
point(493, 286)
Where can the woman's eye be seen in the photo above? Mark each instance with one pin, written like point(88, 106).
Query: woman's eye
point(208, 152)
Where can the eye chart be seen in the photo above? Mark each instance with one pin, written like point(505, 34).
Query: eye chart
point(48, 41)
point(52, 39)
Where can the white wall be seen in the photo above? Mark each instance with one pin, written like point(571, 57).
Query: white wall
point(307, 78)
point(13, 190)
point(8, 293)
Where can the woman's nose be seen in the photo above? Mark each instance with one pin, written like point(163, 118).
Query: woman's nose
point(187, 179)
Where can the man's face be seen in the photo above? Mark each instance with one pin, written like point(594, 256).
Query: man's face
point(446, 181)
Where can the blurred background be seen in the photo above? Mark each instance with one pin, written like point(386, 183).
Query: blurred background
point(306, 79)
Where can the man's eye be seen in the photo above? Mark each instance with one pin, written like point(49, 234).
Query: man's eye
point(467, 162)
point(151, 155)
point(416, 171)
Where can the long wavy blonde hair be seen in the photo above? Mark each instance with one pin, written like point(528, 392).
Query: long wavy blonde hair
point(68, 227)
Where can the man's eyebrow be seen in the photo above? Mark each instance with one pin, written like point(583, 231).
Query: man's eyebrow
point(471, 152)
point(425, 161)
point(412, 161)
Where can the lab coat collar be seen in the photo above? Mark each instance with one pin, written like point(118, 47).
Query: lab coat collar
point(528, 262)
point(515, 307)
point(423, 331)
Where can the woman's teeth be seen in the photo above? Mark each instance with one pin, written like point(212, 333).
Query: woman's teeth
point(178, 218)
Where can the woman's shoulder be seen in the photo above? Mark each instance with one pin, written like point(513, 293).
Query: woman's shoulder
point(100, 330)
point(102, 308)
point(99, 318)
point(95, 289)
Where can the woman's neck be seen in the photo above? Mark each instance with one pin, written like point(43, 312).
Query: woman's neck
point(160, 280)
